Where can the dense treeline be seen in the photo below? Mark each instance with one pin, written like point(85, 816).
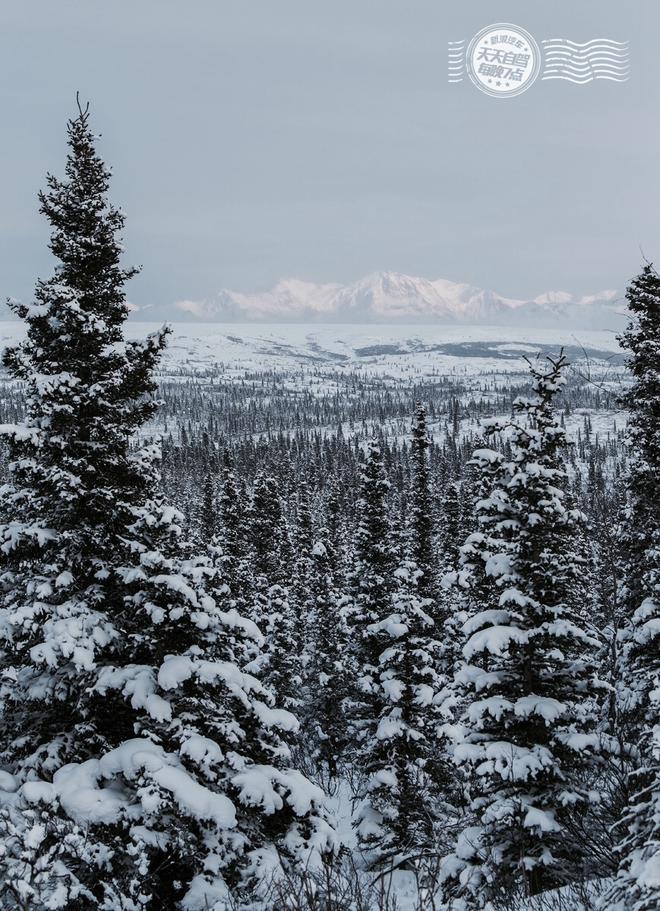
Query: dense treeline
point(193, 458)
point(310, 594)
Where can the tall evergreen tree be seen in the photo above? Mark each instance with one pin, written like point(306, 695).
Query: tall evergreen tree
point(280, 666)
point(274, 607)
point(637, 886)
point(301, 594)
point(328, 672)
point(527, 681)
point(374, 567)
point(404, 763)
point(267, 531)
point(450, 533)
point(304, 521)
point(146, 768)
point(421, 508)
point(333, 515)
point(208, 511)
point(397, 681)
point(232, 533)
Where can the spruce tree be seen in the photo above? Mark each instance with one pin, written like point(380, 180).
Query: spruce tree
point(274, 607)
point(232, 534)
point(333, 516)
point(373, 579)
point(280, 666)
point(421, 508)
point(301, 589)
point(304, 521)
point(328, 672)
point(637, 885)
point(266, 531)
point(146, 768)
point(527, 679)
point(450, 539)
point(404, 762)
point(395, 715)
point(208, 510)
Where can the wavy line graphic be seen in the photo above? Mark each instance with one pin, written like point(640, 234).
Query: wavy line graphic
point(600, 58)
point(597, 48)
point(582, 68)
point(596, 54)
point(581, 58)
point(455, 61)
point(585, 43)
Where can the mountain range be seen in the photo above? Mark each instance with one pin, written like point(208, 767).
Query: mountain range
point(394, 297)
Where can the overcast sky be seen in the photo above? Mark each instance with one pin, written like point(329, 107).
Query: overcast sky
point(253, 140)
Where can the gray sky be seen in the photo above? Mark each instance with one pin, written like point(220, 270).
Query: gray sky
point(254, 140)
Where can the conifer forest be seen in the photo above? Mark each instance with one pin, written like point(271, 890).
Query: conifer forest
point(320, 638)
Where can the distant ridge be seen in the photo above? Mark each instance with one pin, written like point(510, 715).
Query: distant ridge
point(394, 297)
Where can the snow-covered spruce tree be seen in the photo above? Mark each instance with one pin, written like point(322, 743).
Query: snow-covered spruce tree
point(280, 666)
point(328, 672)
point(305, 523)
point(273, 604)
point(266, 532)
point(301, 589)
point(404, 762)
point(448, 612)
point(421, 507)
point(333, 515)
point(208, 510)
point(527, 681)
point(231, 537)
point(449, 539)
point(396, 682)
point(373, 580)
point(637, 886)
point(230, 579)
point(432, 555)
point(143, 769)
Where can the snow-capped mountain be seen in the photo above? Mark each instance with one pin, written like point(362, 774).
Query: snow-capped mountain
point(391, 296)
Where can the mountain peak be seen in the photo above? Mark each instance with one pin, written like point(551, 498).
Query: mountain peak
point(394, 296)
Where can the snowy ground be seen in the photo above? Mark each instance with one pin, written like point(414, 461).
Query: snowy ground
point(400, 352)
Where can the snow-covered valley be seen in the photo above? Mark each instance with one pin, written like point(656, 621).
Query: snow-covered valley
point(399, 351)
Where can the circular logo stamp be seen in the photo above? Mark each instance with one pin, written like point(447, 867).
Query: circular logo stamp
point(503, 60)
